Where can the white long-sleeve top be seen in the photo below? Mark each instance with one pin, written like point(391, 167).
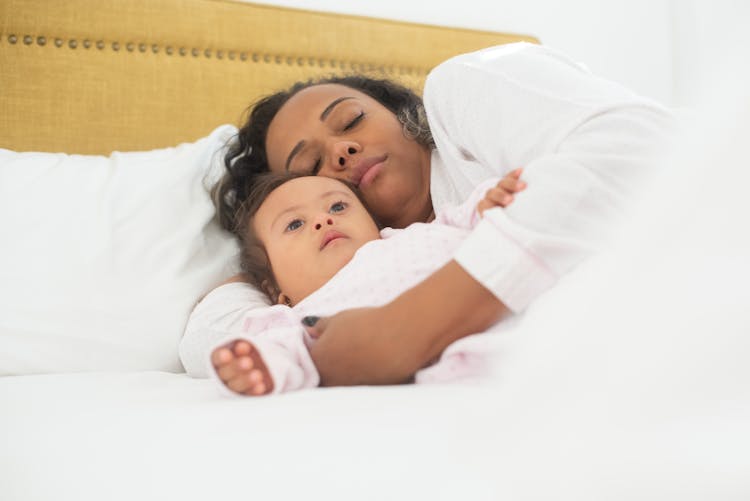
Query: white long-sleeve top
point(585, 143)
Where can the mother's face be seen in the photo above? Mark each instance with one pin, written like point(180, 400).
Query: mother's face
point(335, 131)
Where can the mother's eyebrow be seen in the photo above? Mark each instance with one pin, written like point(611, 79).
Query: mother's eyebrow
point(331, 106)
point(327, 111)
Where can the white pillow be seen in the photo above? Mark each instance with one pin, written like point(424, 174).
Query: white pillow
point(102, 258)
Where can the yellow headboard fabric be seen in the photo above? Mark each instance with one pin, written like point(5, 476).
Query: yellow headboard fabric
point(85, 76)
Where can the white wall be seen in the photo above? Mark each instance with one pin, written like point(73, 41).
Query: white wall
point(664, 49)
point(711, 40)
point(628, 41)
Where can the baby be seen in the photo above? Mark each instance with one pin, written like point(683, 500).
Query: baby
point(314, 249)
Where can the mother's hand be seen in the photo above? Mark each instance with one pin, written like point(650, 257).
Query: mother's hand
point(360, 346)
point(389, 344)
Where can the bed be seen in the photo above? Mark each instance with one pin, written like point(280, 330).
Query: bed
point(112, 121)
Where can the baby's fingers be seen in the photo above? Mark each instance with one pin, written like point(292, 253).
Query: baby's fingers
point(512, 183)
point(221, 356)
point(488, 203)
point(228, 371)
point(484, 205)
point(252, 383)
point(224, 355)
point(242, 348)
point(240, 383)
point(498, 197)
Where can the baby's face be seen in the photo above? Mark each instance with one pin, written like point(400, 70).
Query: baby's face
point(311, 227)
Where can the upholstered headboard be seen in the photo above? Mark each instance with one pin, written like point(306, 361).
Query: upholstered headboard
point(84, 76)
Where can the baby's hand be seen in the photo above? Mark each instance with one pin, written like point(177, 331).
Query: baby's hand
point(502, 194)
point(241, 368)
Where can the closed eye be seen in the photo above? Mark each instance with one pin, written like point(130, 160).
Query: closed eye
point(315, 168)
point(356, 120)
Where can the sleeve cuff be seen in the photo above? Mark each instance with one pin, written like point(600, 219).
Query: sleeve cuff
point(289, 366)
point(500, 263)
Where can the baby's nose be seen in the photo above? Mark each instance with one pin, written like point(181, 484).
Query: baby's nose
point(319, 225)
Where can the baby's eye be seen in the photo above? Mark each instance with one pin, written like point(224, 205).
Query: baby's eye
point(297, 223)
point(337, 207)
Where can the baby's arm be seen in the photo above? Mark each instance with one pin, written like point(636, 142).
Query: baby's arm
point(271, 355)
point(219, 315)
point(239, 364)
point(502, 194)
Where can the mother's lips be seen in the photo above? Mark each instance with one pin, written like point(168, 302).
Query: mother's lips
point(361, 168)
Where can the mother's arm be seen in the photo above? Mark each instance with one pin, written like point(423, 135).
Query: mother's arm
point(389, 344)
point(586, 145)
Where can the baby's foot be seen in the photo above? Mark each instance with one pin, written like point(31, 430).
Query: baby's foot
point(241, 368)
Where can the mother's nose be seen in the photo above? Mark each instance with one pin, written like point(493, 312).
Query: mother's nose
point(342, 153)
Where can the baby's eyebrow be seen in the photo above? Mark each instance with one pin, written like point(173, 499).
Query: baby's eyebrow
point(281, 214)
point(333, 192)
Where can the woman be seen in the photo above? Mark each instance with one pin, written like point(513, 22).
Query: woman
point(585, 144)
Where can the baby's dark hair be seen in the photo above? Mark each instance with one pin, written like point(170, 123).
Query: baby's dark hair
point(246, 157)
point(254, 261)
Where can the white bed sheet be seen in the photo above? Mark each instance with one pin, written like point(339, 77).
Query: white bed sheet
point(580, 410)
point(627, 381)
point(109, 436)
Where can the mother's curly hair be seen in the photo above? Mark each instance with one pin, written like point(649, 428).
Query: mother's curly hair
point(246, 156)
